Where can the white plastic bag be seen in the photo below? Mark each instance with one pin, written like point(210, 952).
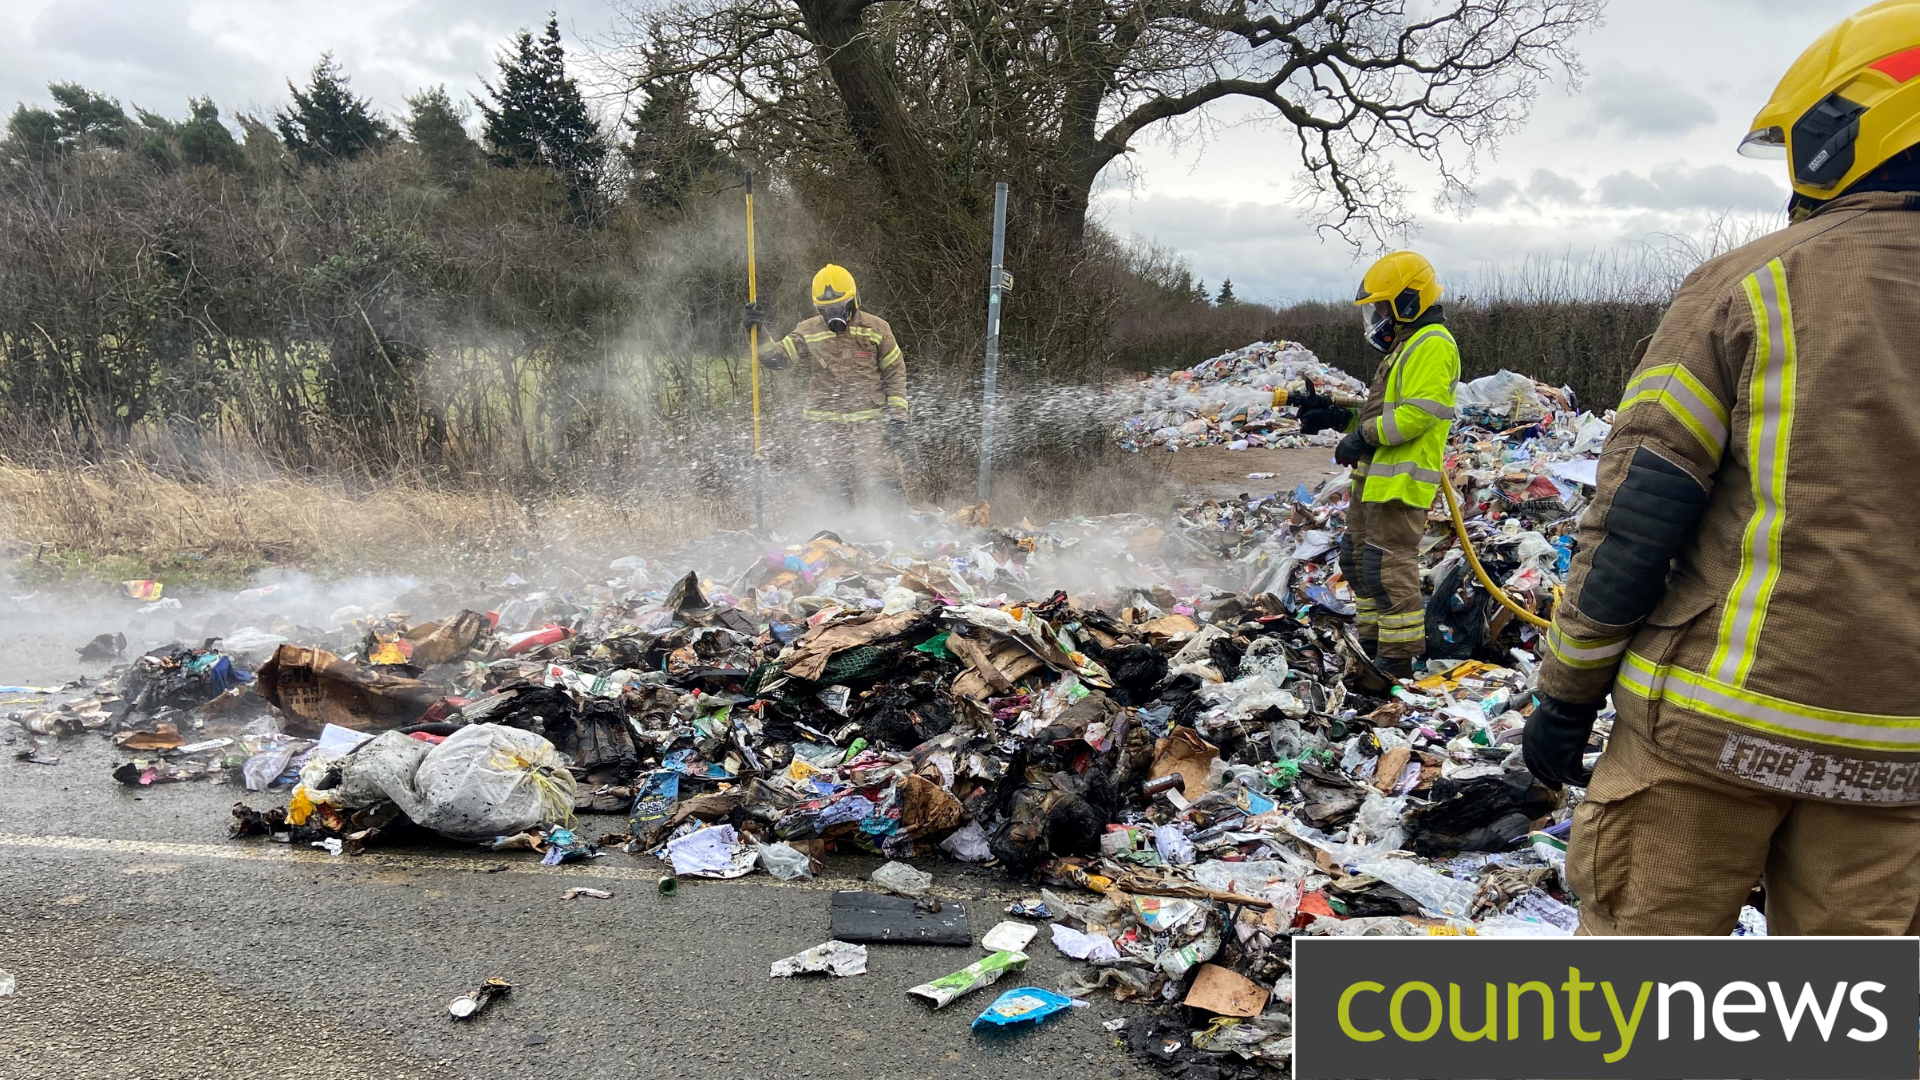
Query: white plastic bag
point(898, 877)
point(1172, 844)
point(483, 781)
point(1438, 894)
point(785, 861)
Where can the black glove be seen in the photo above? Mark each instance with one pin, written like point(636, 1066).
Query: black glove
point(1555, 739)
point(1331, 418)
point(1308, 401)
point(896, 436)
point(755, 315)
point(1352, 448)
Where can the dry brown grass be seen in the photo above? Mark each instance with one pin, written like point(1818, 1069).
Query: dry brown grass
point(129, 517)
point(123, 517)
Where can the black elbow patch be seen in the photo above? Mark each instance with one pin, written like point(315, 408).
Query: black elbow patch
point(1654, 511)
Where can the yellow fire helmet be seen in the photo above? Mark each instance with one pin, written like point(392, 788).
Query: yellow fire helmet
point(832, 285)
point(1850, 102)
point(1406, 280)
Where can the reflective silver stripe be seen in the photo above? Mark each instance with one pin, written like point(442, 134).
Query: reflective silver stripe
point(1403, 468)
point(1642, 678)
point(1711, 696)
point(1769, 431)
point(1389, 430)
point(839, 417)
point(1429, 406)
point(1584, 652)
point(1676, 389)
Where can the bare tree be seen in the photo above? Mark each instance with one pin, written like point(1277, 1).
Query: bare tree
point(1051, 92)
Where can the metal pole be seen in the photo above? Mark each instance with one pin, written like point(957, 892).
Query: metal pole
point(753, 344)
point(995, 283)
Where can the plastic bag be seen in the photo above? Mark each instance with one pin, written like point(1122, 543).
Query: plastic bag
point(381, 770)
point(898, 877)
point(785, 862)
point(1172, 844)
point(1440, 895)
point(968, 844)
point(483, 781)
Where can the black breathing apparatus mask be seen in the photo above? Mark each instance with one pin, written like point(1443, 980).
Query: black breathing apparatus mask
point(837, 315)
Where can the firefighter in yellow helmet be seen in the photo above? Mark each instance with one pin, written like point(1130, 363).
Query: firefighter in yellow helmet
point(856, 411)
point(1741, 585)
point(1395, 444)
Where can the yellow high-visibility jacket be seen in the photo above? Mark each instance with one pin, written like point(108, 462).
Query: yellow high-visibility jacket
point(1407, 417)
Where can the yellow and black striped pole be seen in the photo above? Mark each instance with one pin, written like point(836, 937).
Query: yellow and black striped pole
point(753, 340)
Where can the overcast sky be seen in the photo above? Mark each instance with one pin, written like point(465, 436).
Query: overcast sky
point(1643, 152)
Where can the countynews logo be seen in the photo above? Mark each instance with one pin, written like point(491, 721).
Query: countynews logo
point(1605, 1007)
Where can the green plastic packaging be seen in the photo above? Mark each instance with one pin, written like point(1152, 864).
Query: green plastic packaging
point(985, 971)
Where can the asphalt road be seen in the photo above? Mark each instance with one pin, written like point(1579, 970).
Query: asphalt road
point(146, 944)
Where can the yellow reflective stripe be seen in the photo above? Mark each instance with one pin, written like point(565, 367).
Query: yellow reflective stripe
point(890, 359)
point(1769, 431)
point(864, 333)
point(1402, 618)
point(895, 401)
point(1766, 712)
point(1683, 395)
point(841, 417)
point(793, 351)
point(1402, 633)
point(1585, 652)
point(824, 335)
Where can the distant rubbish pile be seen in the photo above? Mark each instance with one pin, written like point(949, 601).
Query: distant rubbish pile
point(1228, 400)
point(1187, 752)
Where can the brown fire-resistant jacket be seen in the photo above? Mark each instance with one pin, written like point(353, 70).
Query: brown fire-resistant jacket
point(1746, 577)
point(855, 376)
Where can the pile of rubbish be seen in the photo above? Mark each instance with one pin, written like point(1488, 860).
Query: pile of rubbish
point(1188, 755)
point(1228, 400)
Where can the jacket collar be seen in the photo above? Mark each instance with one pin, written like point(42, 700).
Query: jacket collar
point(1871, 200)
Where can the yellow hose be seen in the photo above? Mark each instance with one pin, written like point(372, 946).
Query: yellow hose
point(1473, 558)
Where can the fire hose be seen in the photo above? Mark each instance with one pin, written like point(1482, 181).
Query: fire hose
point(1473, 559)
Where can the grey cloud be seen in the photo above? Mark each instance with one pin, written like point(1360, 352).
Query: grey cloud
point(1497, 194)
point(1549, 186)
point(147, 53)
point(1678, 187)
point(1636, 103)
point(158, 53)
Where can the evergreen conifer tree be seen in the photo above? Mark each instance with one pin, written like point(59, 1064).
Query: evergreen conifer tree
point(536, 116)
point(327, 123)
